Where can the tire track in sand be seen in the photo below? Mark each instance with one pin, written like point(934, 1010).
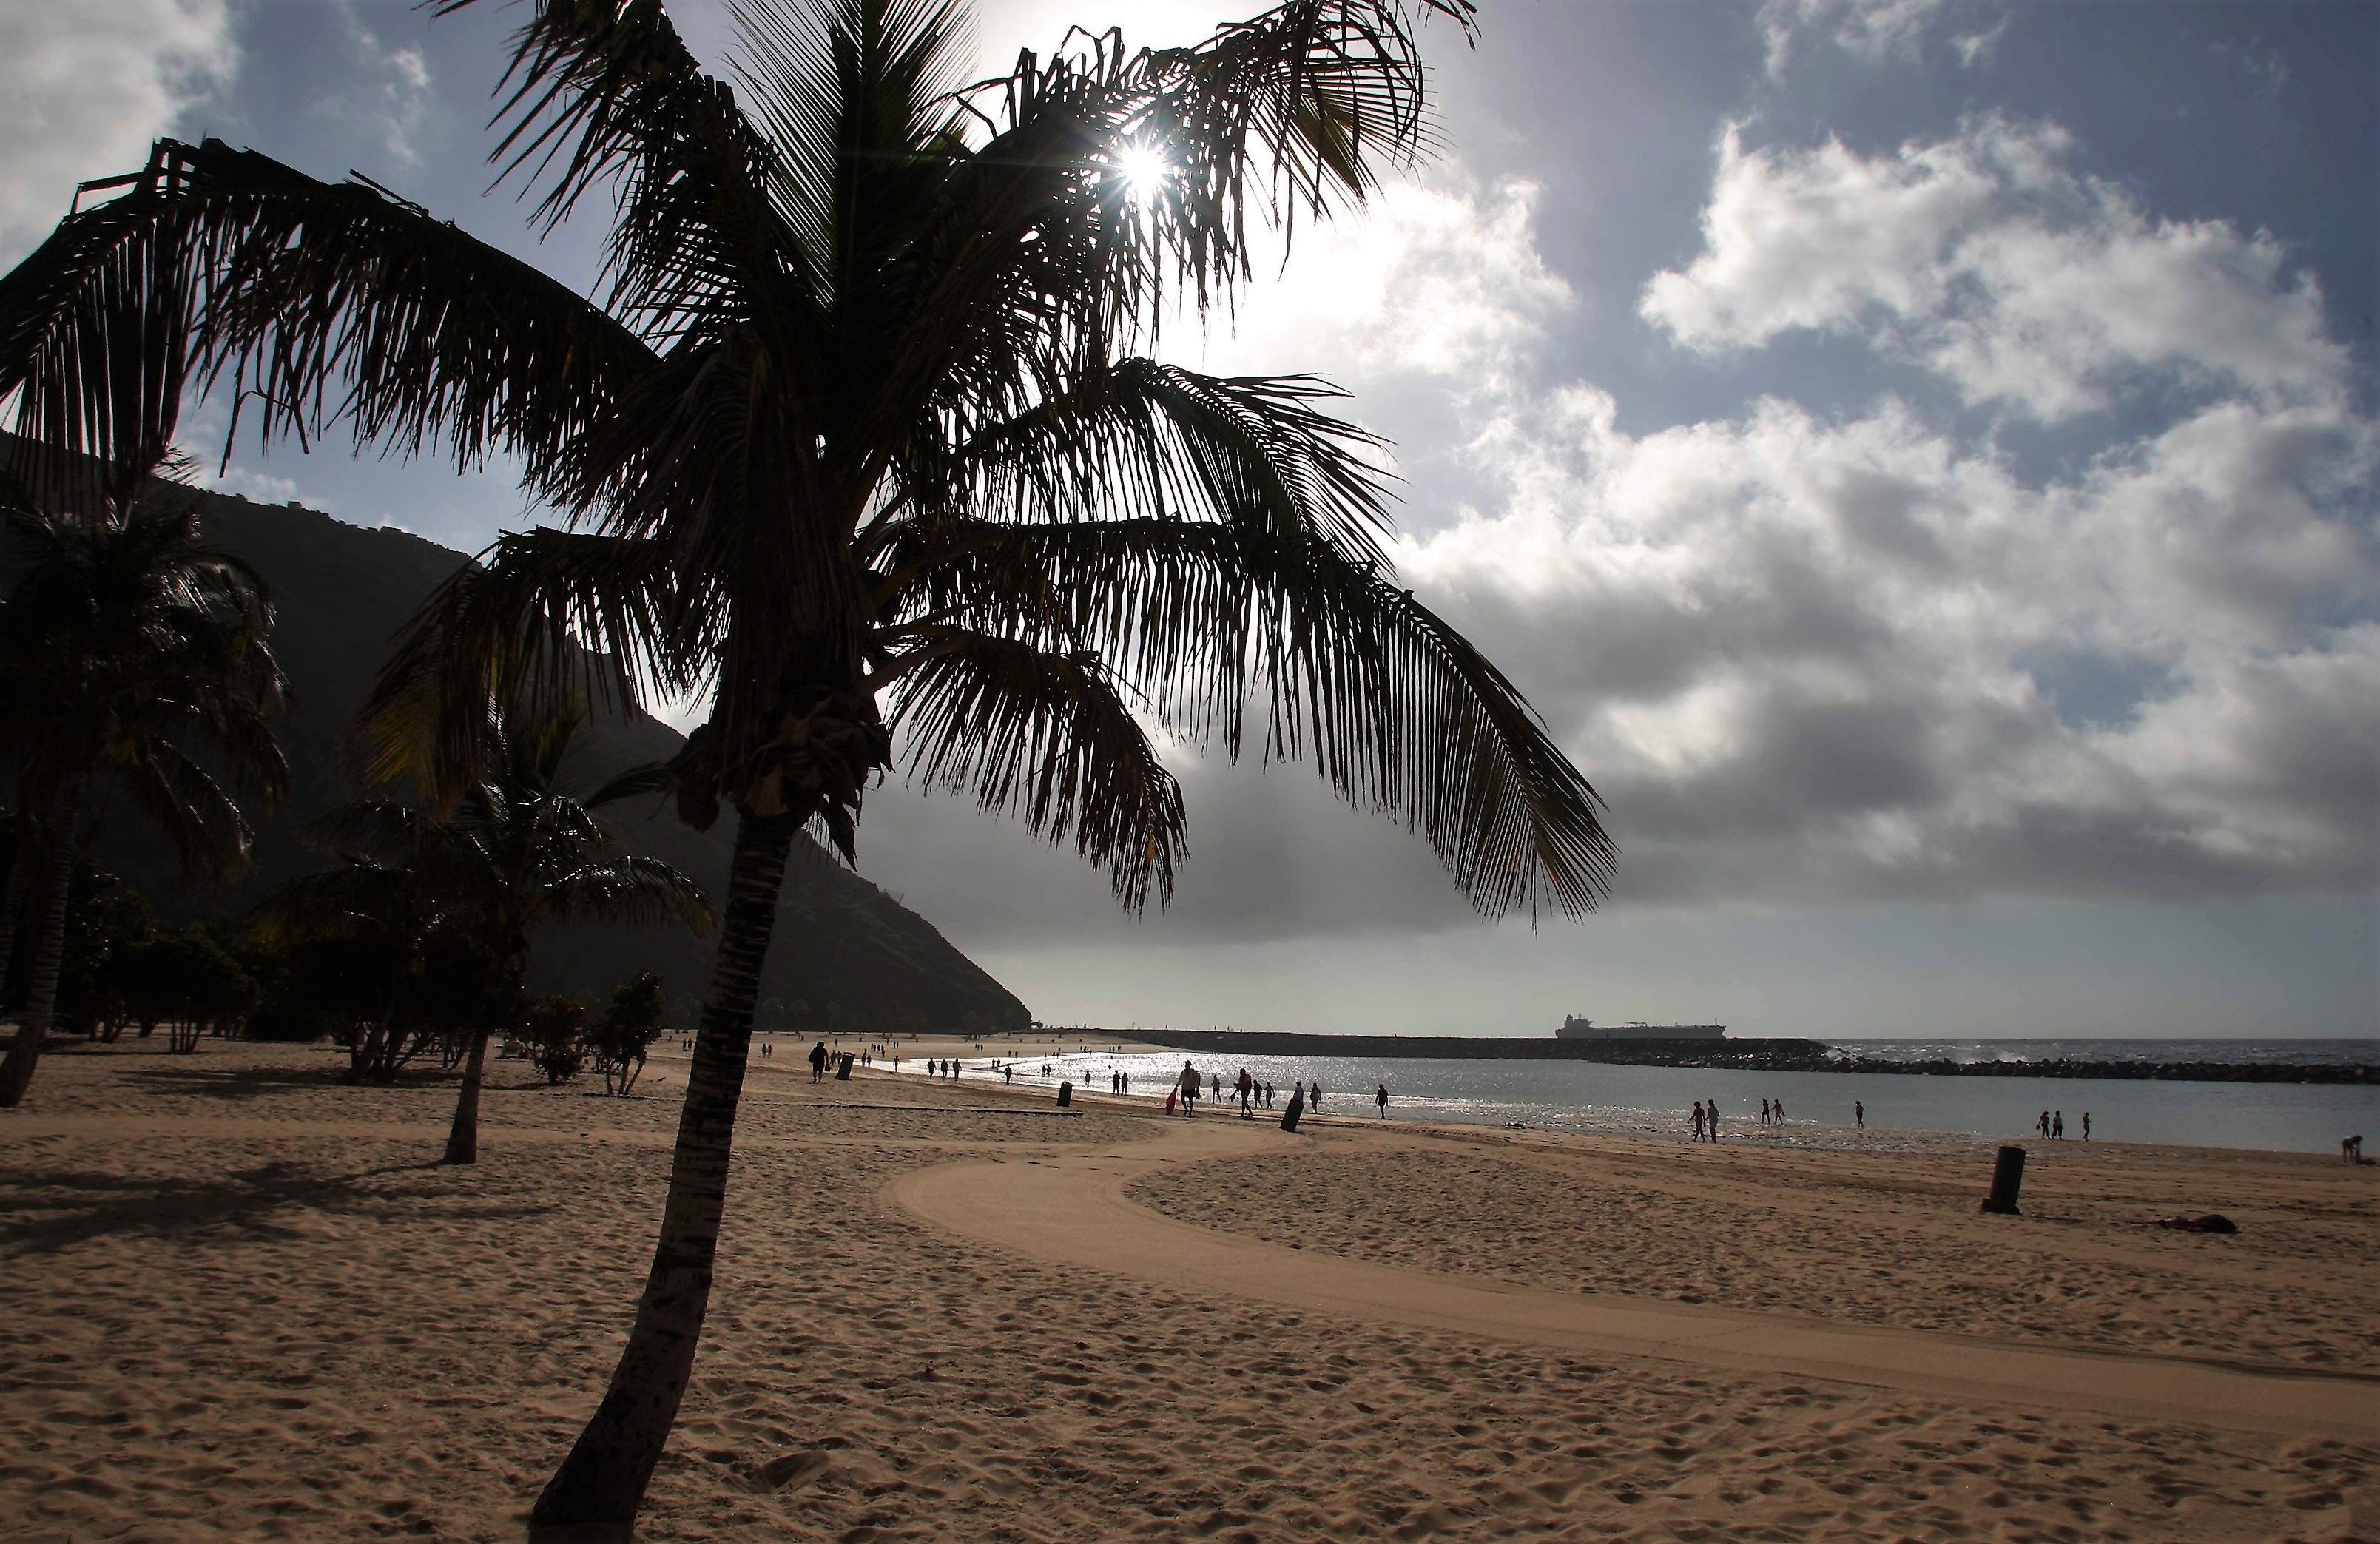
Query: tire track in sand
point(1072, 1208)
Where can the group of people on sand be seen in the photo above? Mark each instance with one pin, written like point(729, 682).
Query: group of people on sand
point(1772, 1114)
point(2052, 1125)
point(1250, 1092)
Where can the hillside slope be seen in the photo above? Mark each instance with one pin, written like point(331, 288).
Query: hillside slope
point(846, 957)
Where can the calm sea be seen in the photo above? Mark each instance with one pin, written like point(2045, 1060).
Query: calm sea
point(1902, 1109)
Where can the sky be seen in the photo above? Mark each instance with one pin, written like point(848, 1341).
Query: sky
point(1916, 455)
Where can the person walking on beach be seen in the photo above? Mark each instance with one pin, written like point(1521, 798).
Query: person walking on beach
point(2086, 1125)
point(1859, 1114)
point(1313, 1095)
point(2042, 1125)
point(1780, 1112)
point(1189, 1086)
point(1698, 1120)
point(1710, 1118)
point(1764, 1112)
point(1382, 1100)
point(2057, 1126)
point(818, 1061)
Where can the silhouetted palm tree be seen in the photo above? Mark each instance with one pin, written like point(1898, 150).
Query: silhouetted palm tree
point(861, 414)
point(127, 645)
point(520, 848)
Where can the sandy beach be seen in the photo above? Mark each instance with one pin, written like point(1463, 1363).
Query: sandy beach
point(245, 1302)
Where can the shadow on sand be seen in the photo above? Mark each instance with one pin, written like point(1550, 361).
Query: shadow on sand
point(71, 1209)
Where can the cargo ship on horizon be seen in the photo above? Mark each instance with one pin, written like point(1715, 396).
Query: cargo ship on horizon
point(1577, 1028)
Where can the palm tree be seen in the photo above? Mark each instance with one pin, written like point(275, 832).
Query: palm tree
point(127, 644)
point(521, 848)
point(863, 437)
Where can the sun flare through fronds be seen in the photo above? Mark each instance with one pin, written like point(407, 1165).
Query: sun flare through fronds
point(1144, 169)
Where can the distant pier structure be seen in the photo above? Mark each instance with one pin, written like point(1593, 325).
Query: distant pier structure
point(1577, 1028)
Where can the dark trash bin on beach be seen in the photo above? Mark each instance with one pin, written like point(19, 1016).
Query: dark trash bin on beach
point(1296, 1110)
point(2008, 1179)
point(842, 1067)
point(1065, 1095)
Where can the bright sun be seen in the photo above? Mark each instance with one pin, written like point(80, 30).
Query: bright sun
point(1144, 169)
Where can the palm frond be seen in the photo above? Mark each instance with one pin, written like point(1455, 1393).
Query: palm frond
point(209, 835)
point(543, 617)
point(629, 888)
point(1136, 437)
point(1290, 114)
point(1226, 629)
point(650, 780)
point(95, 349)
point(1047, 738)
point(321, 303)
point(604, 93)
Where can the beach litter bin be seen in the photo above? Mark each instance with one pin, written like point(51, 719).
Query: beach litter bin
point(2008, 1177)
point(1290, 1117)
point(1065, 1095)
point(842, 1067)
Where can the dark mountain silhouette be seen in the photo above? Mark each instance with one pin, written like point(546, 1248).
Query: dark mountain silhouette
point(845, 957)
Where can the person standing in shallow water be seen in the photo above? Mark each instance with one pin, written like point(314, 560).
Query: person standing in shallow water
point(2057, 1126)
point(1382, 1100)
point(1698, 1120)
point(1859, 1114)
point(1710, 1118)
point(2086, 1125)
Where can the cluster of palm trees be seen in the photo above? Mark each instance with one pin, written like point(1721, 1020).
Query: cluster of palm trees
point(866, 444)
point(132, 655)
point(453, 896)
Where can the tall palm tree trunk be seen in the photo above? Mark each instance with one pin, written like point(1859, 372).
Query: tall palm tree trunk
point(463, 1136)
point(593, 1497)
point(49, 950)
point(22, 866)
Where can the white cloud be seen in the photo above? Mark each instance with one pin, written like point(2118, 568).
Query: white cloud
point(1985, 259)
point(1871, 31)
point(1811, 659)
point(1444, 283)
point(84, 88)
point(394, 95)
point(1974, 48)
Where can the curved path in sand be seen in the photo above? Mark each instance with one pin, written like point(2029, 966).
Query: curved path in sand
point(1072, 1208)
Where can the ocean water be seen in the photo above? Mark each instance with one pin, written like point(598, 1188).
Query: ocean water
point(1903, 1109)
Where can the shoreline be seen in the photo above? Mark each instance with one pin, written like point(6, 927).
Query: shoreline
point(1747, 1056)
point(1799, 1134)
